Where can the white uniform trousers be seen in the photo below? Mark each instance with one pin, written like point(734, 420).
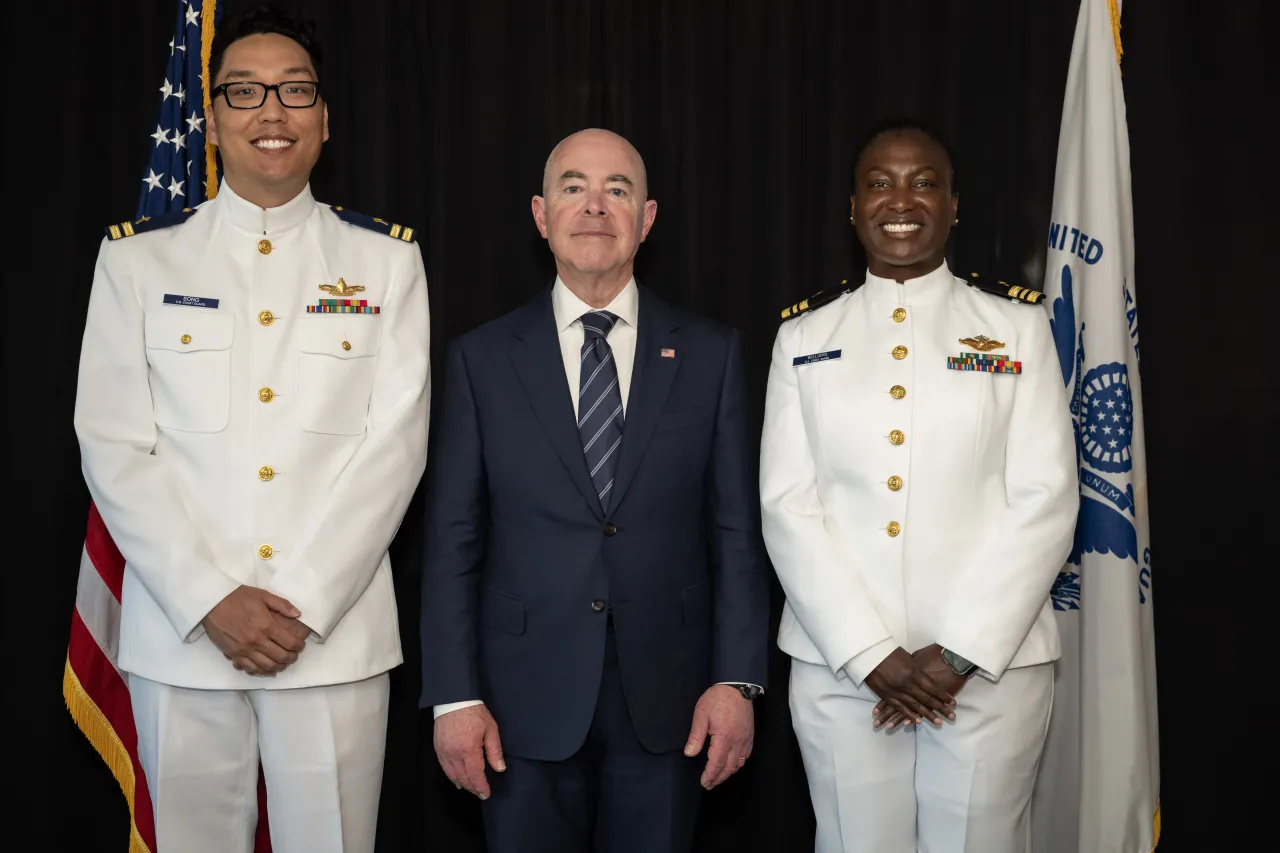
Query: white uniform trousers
point(964, 787)
point(321, 750)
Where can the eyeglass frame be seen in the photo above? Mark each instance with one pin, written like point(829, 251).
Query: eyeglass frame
point(267, 88)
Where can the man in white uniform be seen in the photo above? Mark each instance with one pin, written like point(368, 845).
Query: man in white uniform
point(252, 416)
point(919, 495)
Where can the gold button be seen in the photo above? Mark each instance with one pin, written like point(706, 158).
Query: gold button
point(266, 395)
point(896, 437)
point(346, 345)
point(265, 551)
point(899, 352)
point(264, 246)
point(893, 529)
point(266, 472)
point(899, 314)
point(895, 483)
point(898, 392)
point(266, 318)
point(186, 339)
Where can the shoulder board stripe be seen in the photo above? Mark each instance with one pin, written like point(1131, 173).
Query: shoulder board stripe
point(818, 299)
point(148, 223)
point(373, 223)
point(1015, 292)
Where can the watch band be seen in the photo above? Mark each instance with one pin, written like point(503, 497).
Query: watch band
point(960, 666)
point(750, 692)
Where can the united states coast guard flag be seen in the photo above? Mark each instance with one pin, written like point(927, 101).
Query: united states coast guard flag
point(1099, 784)
point(96, 693)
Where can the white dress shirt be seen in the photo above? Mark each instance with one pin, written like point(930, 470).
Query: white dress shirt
point(568, 310)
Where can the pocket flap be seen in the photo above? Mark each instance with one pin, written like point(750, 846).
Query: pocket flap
point(339, 335)
point(501, 612)
point(188, 330)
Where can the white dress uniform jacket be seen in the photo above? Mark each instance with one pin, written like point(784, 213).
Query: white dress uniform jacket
point(229, 436)
point(905, 503)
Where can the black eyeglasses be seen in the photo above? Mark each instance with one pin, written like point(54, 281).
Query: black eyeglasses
point(248, 95)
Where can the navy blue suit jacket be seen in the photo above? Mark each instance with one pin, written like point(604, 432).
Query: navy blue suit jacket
point(521, 556)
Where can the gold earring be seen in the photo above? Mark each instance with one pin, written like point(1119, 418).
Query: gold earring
point(955, 221)
point(851, 222)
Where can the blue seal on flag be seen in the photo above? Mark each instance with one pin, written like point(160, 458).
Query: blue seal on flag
point(1106, 418)
point(1066, 591)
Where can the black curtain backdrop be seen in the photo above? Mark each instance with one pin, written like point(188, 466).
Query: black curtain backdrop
point(442, 114)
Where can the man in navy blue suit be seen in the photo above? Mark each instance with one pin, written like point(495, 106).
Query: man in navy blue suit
point(594, 600)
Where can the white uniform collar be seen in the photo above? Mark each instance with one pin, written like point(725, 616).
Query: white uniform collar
point(915, 291)
point(250, 217)
point(568, 307)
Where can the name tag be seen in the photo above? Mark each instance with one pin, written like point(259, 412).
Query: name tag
point(190, 301)
point(817, 356)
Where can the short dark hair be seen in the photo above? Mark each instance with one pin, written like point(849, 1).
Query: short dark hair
point(265, 19)
point(898, 125)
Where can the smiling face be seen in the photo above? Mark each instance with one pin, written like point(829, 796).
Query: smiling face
point(903, 205)
point(594, 213)
point(267, 153)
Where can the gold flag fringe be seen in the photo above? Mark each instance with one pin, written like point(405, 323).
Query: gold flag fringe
point(206, 48)
point(95, 726)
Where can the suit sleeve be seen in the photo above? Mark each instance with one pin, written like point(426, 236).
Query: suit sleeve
point(740, 585)
point(140, 497)
point(999, 596)
point(333, 567)
point(820, 579)
point(457, 510)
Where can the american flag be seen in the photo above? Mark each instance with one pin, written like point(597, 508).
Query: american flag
point(96, 693)
point(176, 168)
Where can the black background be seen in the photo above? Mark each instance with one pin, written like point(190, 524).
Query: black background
point(442, 114)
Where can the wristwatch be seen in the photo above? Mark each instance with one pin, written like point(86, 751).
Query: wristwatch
point(959, 665)
point(750, 692)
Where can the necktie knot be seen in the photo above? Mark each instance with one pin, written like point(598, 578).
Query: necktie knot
point(598, 324)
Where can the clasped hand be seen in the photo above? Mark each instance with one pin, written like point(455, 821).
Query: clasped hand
point(914, 687)
point(257, 631)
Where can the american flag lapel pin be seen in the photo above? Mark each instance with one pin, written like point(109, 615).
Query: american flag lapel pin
point(667, 352)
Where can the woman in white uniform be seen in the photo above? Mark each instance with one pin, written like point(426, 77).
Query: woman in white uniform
point(919, 495)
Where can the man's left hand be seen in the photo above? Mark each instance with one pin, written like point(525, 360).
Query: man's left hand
point(726, 716)
point(930, 660)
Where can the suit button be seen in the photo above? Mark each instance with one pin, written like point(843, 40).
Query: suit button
point(186, 339)
point(610, 529)
point(266, 395)
point(266, 472)
point(897, 392)
point(895, 483)
point(899, 314)
point(897, 437)
point(597, 605)
point(265, 552)
point(899, 352)
point(264, 246)
point(894, 528)
point(266, 318)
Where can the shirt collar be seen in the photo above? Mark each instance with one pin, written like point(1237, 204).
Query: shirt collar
point(249, 216)
point(568, 308)
point(914, 291)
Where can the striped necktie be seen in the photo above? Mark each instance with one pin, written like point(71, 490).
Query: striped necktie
point(599, 403)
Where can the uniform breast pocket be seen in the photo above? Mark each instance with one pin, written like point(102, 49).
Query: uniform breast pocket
point(189, 351)
point(336, 362)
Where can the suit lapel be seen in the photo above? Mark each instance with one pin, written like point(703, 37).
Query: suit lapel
point(651, 378)
point(540, 366)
